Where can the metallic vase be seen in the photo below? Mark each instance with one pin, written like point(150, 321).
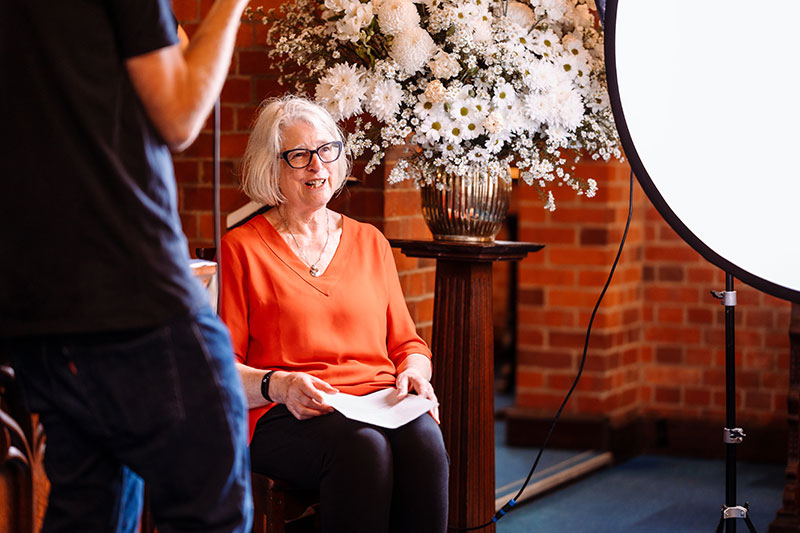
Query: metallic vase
point(467, 209)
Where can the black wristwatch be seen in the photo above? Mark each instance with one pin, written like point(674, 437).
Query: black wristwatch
point(265, 386)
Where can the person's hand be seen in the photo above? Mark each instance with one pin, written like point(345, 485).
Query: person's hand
point(412, 379)
point(300, 392)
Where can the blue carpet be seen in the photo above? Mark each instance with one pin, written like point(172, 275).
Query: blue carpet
point(651, 494)
point(647, 494)
point(513, 464)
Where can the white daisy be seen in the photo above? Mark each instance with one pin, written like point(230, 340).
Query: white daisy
point(431, 129)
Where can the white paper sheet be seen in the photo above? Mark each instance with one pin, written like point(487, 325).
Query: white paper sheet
point(380, 408)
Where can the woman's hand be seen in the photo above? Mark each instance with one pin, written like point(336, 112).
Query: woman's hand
point(300, 392)
point(414, 379)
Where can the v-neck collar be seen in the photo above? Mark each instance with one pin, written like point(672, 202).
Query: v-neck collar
point(328, 280)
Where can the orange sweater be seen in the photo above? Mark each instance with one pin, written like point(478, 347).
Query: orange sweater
point(349, 327)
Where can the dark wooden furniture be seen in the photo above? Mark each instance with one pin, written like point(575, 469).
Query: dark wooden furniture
point(463, 365)
point(279, 507)
point(788, 516)
point(23, 483)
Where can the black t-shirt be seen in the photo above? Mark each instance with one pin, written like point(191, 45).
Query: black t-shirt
point(89, 226)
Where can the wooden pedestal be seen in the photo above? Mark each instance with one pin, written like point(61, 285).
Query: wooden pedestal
point(463, 366)
point(788, 516)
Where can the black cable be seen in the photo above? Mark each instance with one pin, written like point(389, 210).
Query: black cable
point(513, 501)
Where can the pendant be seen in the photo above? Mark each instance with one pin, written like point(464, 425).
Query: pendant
point(314, 271)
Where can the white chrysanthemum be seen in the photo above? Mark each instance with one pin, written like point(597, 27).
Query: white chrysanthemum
point(395, 16)
point(444, 65)
point(357, 15)
point(555, 9)
point(514, 120)
point(544, 75)
point(482, 30)
point(412, 48)
point(557, 135)
point(337, 5)
point(341, 90)
point(384, 100)
point(538, 107)
point(568, 107)
point(520, 14)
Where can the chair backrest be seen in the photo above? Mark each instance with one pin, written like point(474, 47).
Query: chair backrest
point(234, 220)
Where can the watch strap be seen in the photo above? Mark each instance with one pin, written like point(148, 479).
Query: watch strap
point(265, 386)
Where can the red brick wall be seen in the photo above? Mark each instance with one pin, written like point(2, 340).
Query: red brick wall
point(657, 346)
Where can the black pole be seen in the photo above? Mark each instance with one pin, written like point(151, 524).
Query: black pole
point(217, 232)
point(730, 402)
point(733, 435)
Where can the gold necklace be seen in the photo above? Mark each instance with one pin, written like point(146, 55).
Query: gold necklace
point(312, 267)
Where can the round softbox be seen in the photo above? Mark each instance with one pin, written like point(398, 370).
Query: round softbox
point(706, 105)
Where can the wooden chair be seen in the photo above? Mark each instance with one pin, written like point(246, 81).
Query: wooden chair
point(279, 507)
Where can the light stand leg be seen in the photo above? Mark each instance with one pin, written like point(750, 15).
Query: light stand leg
point(732, 435)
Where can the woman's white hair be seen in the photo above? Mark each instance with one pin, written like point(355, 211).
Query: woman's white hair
point(261, 167)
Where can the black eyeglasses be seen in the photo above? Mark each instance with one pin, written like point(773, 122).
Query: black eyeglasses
point(301, 157)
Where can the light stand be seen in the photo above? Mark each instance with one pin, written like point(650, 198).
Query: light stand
point(732, 435)
point(216, 210)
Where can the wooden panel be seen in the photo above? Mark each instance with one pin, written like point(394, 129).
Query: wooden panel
point(788, 516)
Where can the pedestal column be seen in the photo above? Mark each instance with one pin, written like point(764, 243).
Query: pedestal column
point(788, 517)
point(463, 371)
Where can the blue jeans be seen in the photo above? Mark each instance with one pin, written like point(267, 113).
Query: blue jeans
point(163, 406)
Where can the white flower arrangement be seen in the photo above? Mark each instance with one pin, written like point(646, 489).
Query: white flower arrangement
point(465, 84)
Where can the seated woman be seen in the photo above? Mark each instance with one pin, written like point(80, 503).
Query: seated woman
point(313, 302)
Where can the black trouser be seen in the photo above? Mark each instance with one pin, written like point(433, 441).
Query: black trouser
point(371, 479)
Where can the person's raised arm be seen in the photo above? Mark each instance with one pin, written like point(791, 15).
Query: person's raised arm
point(178, 88)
